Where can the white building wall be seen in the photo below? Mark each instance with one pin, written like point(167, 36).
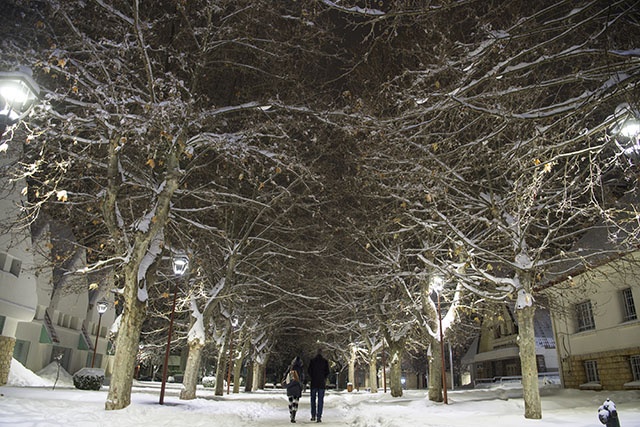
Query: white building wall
point(17, 280)
point(603, 288)
point(550, 358)
point(613, 341)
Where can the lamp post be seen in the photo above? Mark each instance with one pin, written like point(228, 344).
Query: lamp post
point(18, 95)
point(180, 265)
point(101, 307)
point(437, 285)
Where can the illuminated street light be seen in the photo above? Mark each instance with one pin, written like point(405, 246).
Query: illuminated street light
point(180, 265)
point(437, 286)
point(626, 130)
point(18, 94)
point(101, 307)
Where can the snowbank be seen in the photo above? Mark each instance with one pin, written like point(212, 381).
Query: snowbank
point(19, 376)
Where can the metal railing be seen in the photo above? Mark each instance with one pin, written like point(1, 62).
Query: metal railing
point(513, 378)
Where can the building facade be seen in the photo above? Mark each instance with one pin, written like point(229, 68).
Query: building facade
point(596, 326)
point(47, 314)
point(18, 298)
point(494, 355)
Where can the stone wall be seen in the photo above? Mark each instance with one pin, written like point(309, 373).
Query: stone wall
point(6, 354)
point(614, 368)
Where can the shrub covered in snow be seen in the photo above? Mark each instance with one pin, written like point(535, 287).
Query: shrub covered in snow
point(89, 378)
point(208, 381)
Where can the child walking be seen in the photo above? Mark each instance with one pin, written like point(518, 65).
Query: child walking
point(294, 392)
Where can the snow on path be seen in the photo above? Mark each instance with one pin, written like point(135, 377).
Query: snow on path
point(66, 406)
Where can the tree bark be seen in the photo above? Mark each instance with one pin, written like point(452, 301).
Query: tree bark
point(352, 366)
point(220, 370)
point(435, 371)
point(133, 315)
point(258, 380)
point(190, 381)
point(528, 363)
point(396, 349)
point(373, 373)
point(248, 382)
point(243, 347)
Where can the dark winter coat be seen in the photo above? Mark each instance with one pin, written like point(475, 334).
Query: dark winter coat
point(294, 388)
point(318, 371)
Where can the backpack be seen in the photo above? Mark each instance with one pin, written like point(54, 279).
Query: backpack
point(294, 388)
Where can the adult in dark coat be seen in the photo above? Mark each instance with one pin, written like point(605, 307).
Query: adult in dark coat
point(318, 373)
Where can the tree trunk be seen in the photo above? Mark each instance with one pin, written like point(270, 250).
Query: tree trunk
point(244, 346)
point(133, 315)
point(352, 366)
point(396, 349)
point(134, 311)
point(220, 370)
point(258, 381)
point(248, 382)
point(435, 359)
point(237, 371)
point(230, 367)
point(528, 363)
point(191, 371)
point(435, 371)
point(373, 373)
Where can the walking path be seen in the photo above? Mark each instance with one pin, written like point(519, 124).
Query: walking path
point(68, 407)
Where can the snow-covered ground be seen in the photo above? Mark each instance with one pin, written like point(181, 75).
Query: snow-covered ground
point(30, 400)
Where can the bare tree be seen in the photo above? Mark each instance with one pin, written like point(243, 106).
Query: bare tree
point(506, 148)
point(136, 103)
point(316, 145)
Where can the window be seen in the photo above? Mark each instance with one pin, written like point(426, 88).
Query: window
point(628, 305)
point(585, 316)
point(16, 266)
point(497, 333)
point(21, 351)
point(635, 367)
point(591, 369)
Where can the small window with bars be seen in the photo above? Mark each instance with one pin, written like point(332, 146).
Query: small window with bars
point(584, 314)
point(635, 367)
point(591, 369)
point(628, 305)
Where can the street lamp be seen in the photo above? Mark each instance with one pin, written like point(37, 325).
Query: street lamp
point(101, 307)
point(627, 130)
point(18, 95)
point(180, 265)
point(437, 285)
